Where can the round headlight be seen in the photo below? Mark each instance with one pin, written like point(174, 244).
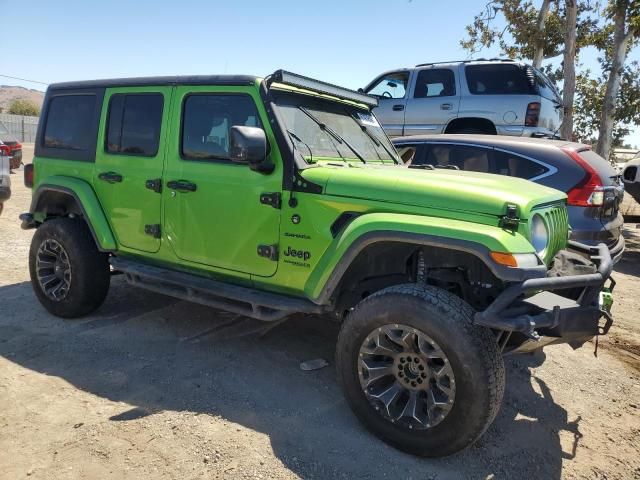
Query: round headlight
point(539, 234)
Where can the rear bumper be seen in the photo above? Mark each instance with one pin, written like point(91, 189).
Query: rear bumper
point(532, 309)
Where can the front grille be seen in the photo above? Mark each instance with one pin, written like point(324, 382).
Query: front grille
point(557, 221)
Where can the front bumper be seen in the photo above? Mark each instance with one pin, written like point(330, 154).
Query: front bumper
point(533, 310)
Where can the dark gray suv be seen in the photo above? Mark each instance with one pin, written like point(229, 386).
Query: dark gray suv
point(593, 187)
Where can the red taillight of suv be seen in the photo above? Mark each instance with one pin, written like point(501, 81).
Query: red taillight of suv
point(588, 192)
point(28, 175)
point(5, 150)
point(533, 114)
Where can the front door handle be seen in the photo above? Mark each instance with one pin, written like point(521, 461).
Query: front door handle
point(446, 106)
point(111, 177)
point(398, 108)
point(182, 186)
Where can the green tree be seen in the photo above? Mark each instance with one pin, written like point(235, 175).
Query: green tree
point(590, 95)
point(516, 27)
point(24, 107)
point(623, 30)
point(557, 27)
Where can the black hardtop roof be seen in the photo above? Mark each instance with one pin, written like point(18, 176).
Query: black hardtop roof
point(158, 81)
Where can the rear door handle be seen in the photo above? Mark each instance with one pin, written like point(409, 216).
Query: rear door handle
point(111, 177)
point(446, 106)
point(398, 108)
point(182, 186)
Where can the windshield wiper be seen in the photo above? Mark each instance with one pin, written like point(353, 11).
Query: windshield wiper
point(373, 138)
point(337, 137)
point(298, 139)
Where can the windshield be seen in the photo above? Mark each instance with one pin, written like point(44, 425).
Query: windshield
point(323, 130)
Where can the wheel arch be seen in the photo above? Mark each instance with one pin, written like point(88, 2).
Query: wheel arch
point(409, 233)
point(480, 123)
point(60, 196)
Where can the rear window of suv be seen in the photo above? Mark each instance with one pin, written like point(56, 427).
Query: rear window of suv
point(497, 79)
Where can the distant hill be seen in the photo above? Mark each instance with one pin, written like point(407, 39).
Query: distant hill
point(10, 93)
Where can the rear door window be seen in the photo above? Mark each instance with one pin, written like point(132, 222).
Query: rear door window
point(458, 157)
point(69, 122)
point(435, 82)
point(134, 124)
point(391, 85)
point(497, 79)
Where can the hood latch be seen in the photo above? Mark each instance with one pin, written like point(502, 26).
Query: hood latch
point(510, 221)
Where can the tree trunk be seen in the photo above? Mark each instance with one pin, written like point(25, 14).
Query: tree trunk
point(569, 69)
point(620, 41)
point(538, 55)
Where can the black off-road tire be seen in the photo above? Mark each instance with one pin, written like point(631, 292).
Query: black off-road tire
point(472, 352)
point(90, 276)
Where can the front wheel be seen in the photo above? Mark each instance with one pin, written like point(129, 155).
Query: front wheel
point(417, 372)
point(69, 275)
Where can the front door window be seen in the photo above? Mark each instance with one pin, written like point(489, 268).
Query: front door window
point(392, 85)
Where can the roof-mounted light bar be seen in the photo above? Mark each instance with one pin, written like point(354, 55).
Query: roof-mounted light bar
point(295, 80)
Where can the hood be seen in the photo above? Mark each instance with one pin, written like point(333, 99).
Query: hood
point(441, 189)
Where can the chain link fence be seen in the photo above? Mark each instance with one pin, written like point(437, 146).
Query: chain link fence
point(20, 127)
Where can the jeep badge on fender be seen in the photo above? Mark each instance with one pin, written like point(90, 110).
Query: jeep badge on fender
point(303, 254)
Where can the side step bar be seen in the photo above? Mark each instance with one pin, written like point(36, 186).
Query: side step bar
point(194, 288)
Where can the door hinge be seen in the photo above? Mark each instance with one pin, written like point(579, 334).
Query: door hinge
point(153, 230)
point(273, 198)
point(154, 184)
point(268, 251)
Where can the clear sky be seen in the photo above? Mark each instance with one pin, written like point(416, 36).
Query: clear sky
point(347, 42)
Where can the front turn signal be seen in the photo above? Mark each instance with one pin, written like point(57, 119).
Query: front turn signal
point(520, 260)
point(506, 259)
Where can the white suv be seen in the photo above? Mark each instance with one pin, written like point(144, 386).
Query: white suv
point(501, 97)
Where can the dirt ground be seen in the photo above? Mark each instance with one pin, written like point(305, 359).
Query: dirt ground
point(152, 387)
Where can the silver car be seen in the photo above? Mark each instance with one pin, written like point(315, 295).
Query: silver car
point(480, 96)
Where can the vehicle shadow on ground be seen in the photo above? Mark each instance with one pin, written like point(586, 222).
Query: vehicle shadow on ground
point(630, 262)
point(159, 354)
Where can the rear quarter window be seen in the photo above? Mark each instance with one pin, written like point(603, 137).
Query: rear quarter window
point(497, 79)
point(513, 165)
point(69, 124)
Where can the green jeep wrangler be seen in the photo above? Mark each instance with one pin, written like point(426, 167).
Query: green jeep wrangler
point(269, 197)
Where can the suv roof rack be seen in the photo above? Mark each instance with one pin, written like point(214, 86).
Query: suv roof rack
point(469, 61)
point(300, 81)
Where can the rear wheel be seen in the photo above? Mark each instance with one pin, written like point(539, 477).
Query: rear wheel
point(417, 372)
point(69, 275)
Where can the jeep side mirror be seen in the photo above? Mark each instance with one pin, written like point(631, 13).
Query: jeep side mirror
point(247, 145)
